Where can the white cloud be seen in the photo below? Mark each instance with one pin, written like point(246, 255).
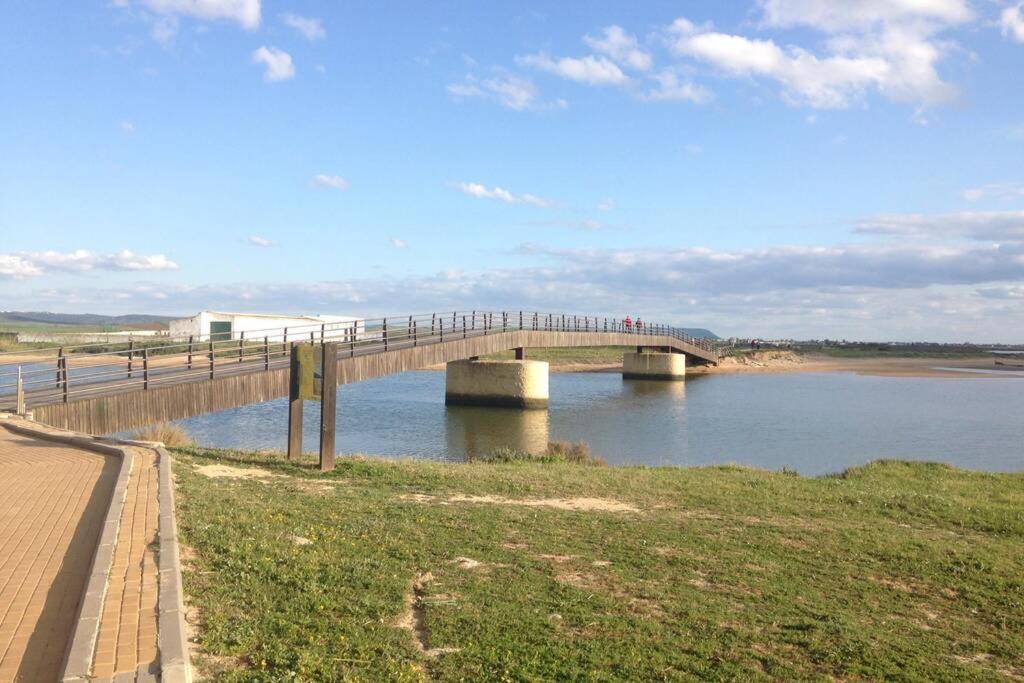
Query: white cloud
point(501, 194)
point(693, 149)
point(257, 241)
point(1002, 191)
point(876, 291)
point(513, 92)
point(28, 264)
point(127, 127)
point(622, 47)
point(590, 70)
point(398, 244)
point(165, 30)
point(993, 226)
point(1012, 22)
point(605, 205)
point(335, 182)
point(17, 267)
point(671, 89)
point(885, 45)
point(278, 63)
point(832, 16)
point(311, 28)
point(243, 12)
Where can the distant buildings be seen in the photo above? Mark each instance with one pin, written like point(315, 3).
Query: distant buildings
point(221, 325)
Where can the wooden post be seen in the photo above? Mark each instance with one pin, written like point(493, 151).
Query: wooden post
point(212, 356)
point(294, 409)
point(384, 334)
point(64, 376)
point(266, 353)
point(415, 340)
point(433, 322)
point(145, 368)
point(463, 327)
point(323, 328)
point(60, 356)
point(352, 341)
point(328, 405)
point(408, 332)
point(241, 344)
point(520, 320)
point(473, 324)
point(20, 394)
point(190, 352)
point(131, 356)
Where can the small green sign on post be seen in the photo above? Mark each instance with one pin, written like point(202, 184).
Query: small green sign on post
point(304, 368)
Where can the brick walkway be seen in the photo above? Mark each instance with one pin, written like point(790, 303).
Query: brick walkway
point(127, 639)
point(53, 500)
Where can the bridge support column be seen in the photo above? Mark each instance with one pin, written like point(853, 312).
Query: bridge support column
point(663, 366)
point(520, 353)
point(508, 384)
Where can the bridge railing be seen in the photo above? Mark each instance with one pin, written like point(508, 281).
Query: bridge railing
point(72, 372)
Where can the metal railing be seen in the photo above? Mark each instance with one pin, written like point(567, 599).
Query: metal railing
point(68, 373)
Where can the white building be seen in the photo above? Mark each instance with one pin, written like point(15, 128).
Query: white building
point(220, 325)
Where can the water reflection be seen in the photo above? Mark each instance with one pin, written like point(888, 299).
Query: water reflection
point(472, 431)
point(675, 390)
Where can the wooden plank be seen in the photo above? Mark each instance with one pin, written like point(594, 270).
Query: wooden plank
point(294, 407)
point(328, 406)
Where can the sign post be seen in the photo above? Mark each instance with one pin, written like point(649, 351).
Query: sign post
point(313, 376)
point(328, 403)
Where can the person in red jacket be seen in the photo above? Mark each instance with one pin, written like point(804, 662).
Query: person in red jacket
point(629, 323)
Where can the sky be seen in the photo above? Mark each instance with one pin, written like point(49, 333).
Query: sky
point(769, 168)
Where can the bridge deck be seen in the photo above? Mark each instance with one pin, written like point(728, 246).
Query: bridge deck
point(106, 397)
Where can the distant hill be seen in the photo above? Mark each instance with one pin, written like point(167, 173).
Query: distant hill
point(90, 319)
point(700, 332)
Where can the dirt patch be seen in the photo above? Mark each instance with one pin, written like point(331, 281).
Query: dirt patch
point(227, 472)
point(467, 562)
point(557, 558)
point(413, 620)
point(299, 540)
point(574, 504)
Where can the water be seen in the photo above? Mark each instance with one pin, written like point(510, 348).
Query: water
point(814, 423)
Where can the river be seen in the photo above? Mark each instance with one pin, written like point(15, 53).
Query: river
point(814, 423)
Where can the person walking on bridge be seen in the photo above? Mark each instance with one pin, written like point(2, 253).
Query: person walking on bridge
point(629, 323)
point(639, 325)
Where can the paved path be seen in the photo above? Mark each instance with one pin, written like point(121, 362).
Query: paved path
point(53, 501)
point(127, 637)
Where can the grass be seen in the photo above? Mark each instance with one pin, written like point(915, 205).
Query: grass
point(413, 570)
point(582, 355)
point(557, 451)
point(171, 435)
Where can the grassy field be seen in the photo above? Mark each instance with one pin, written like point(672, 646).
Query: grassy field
point(582, 355)
point(408, 570)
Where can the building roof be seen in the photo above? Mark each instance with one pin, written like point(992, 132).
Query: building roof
point(314, 318)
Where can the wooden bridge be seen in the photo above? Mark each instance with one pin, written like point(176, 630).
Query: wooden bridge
point(99, 389)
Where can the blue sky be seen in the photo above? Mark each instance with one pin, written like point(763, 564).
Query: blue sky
point(795, 168)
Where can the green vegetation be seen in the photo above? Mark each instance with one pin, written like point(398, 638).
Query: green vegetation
point(876, 350)
point(408, 570)
point(581, 355)
point(557, 451)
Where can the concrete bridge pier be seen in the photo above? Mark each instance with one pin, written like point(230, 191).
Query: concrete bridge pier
point(498, 383)
point(653, 365)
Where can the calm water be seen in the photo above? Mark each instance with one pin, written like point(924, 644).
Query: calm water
point(812, 422)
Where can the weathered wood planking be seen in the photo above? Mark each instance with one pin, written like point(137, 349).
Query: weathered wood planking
point(134, 409)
